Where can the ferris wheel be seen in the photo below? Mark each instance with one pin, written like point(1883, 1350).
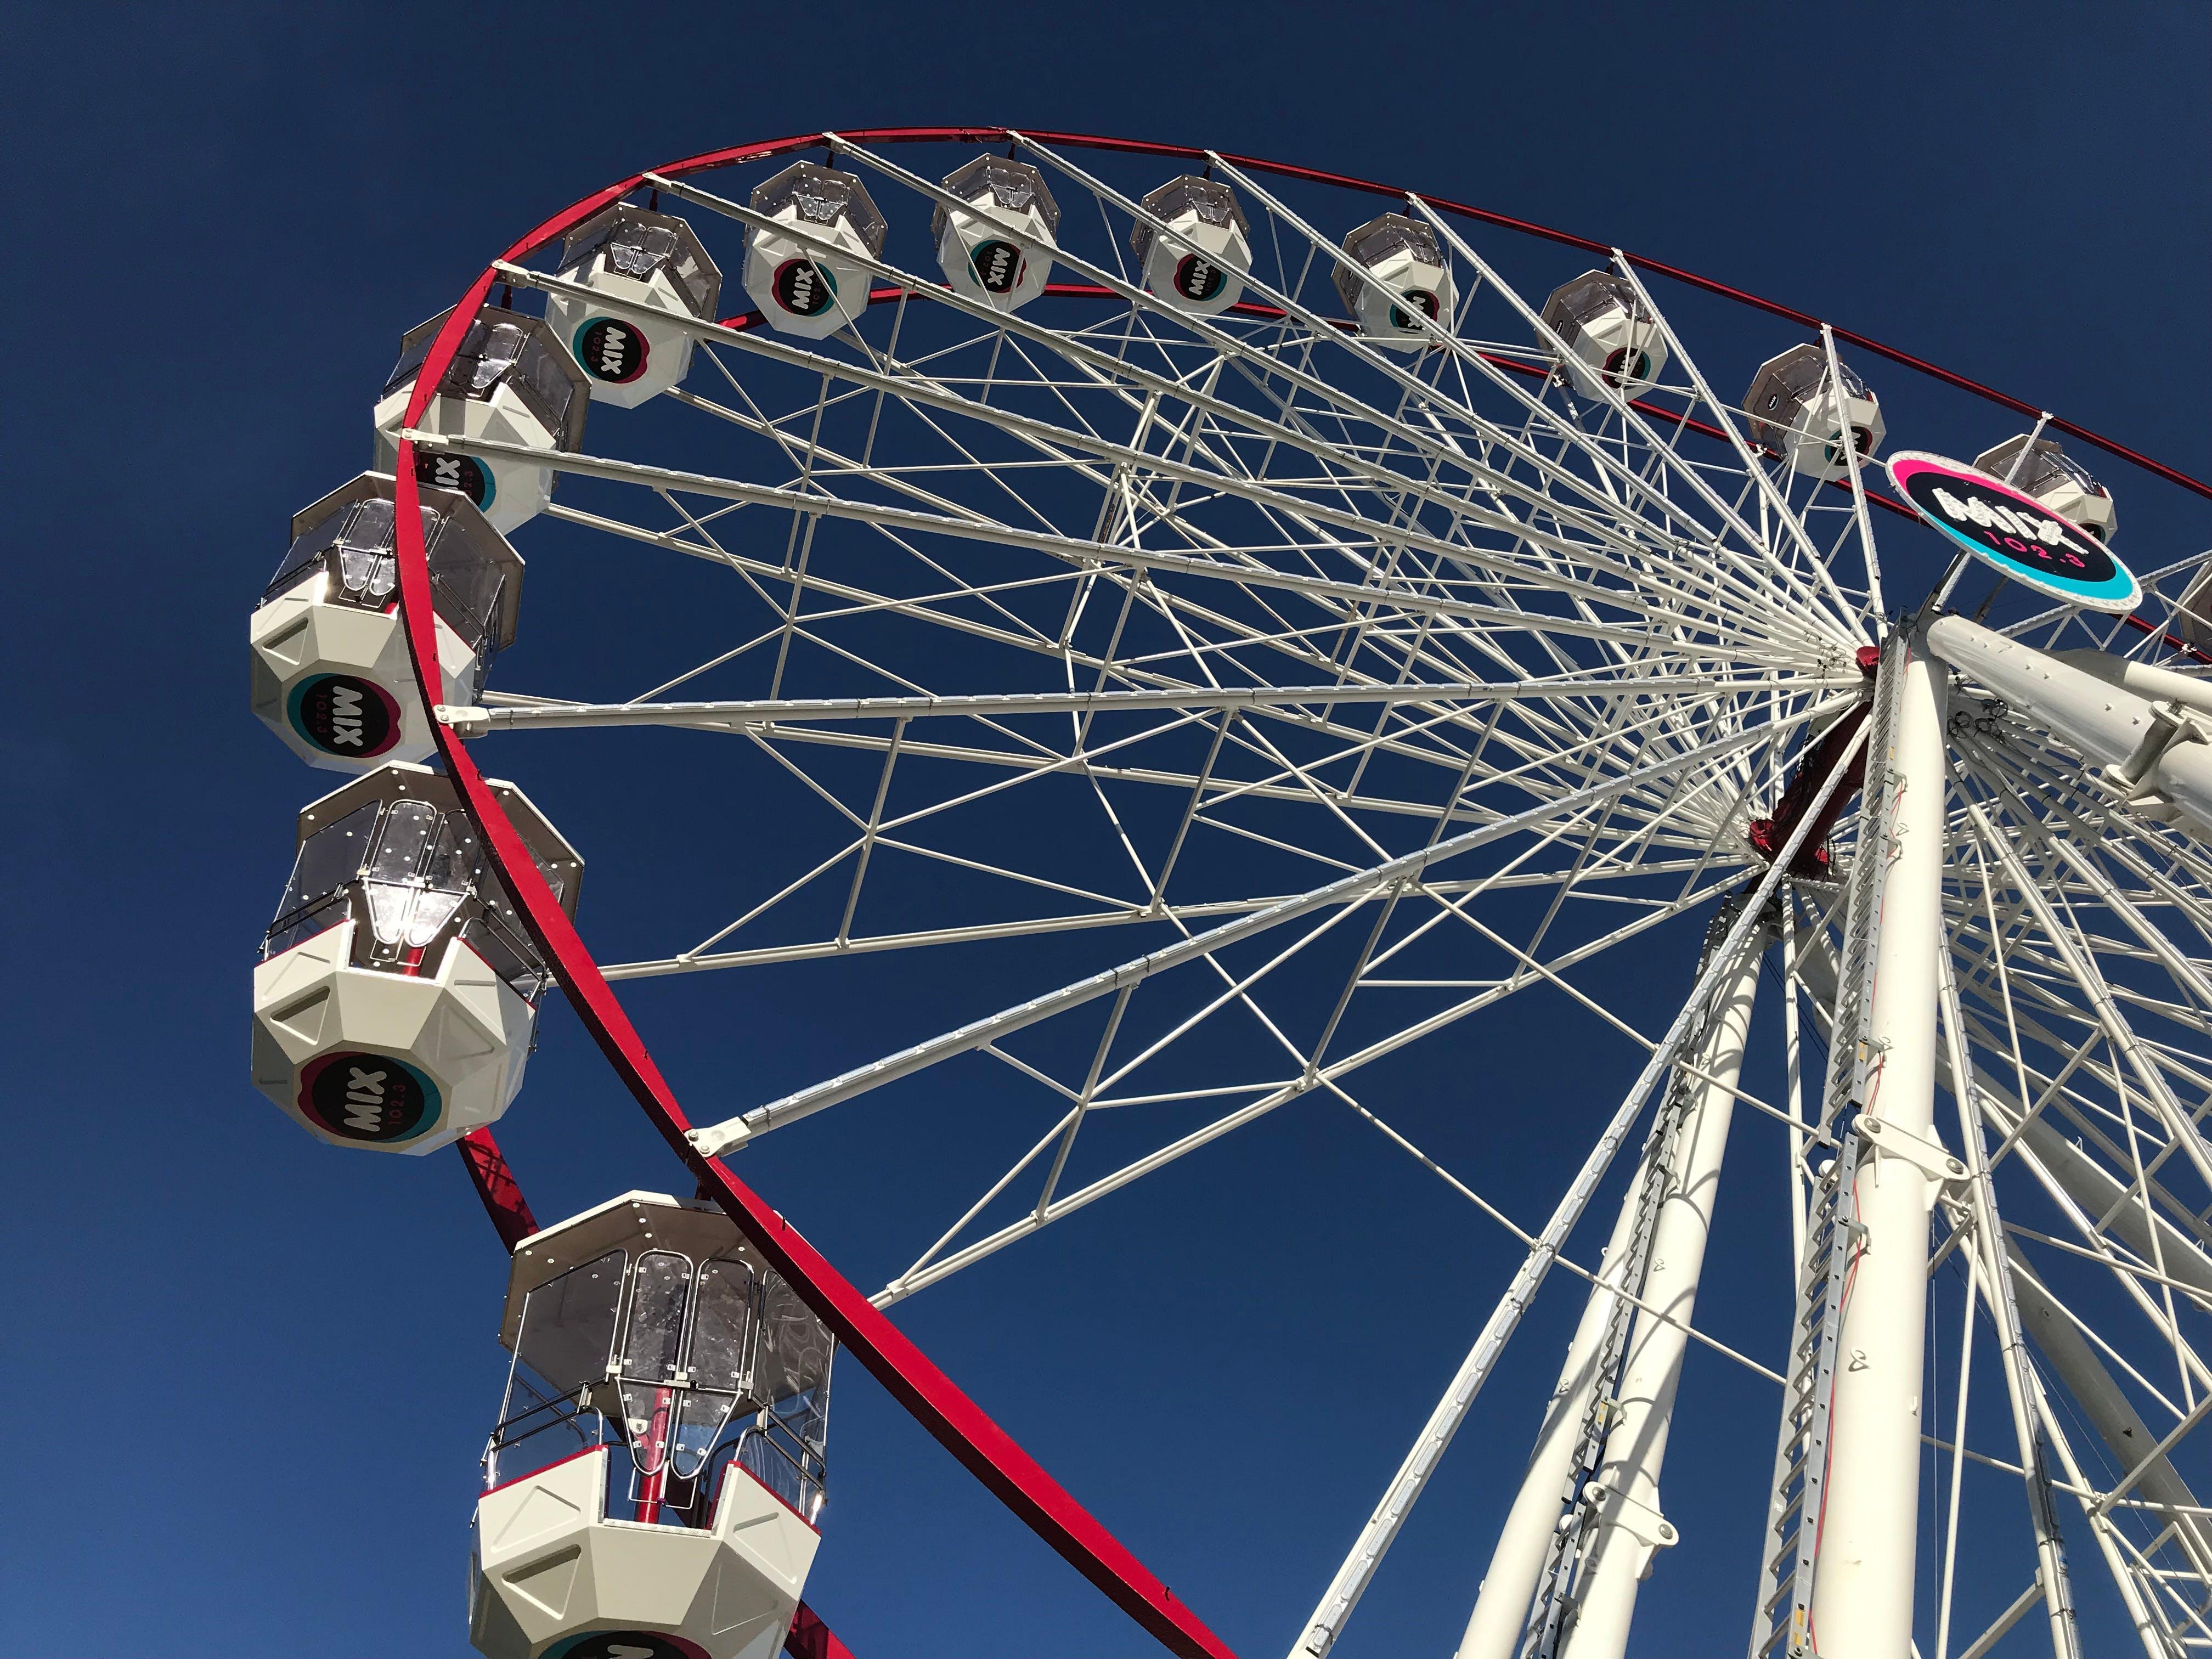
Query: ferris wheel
point(1279, 637)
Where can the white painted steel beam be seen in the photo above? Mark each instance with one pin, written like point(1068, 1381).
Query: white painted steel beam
point(2144, 679)
point(1412, 1479)
point(1327, 1076)
point(1357, 888)
point(1630, 1528)
point(474, 721)
point(1862, 1600)
point(1987, 1241)
point(2140, 746)
point(1501, 1603)
point(913, 389)
point(2106, 1405)
point(1380, 1531)
point(1354, 597)
point(1775, 508)
point(1436, 450)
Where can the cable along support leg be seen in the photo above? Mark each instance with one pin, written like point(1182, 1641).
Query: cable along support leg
point(1588, 1506)
point(1781, 1621)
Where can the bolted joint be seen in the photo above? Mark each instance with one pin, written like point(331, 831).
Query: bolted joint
point(719, 1138)
point(2170, 724)
point(1943, 1172)
point(1650, 1531)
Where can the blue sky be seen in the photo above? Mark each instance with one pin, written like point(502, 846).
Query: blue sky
point(254, 1373)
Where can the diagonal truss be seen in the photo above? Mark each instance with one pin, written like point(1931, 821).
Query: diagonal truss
point(1374, 689)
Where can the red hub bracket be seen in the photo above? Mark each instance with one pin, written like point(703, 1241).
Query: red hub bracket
point(1771, 835)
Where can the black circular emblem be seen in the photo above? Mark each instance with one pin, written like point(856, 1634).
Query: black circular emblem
point(803, 288)
point(998, 265)
point(1199, 278)
point(610, 350)
point(1421, 299)
point(366, 1096)
point(1637, 369)
point(342, 715)
point(2002, 525)
point(449, 471)
point(2005, 527)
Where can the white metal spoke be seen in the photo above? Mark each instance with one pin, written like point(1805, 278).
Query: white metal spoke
point(1402, 687)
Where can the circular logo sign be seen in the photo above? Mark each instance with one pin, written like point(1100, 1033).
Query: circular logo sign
point(610, 351)
point(1421, 299)
point(2006, 527)
point(345, 714)
point(803, 288)
point(371, 1097)
point(1637, 369)
point(445, 471)
point(998, 265)
point(1199, 278)
point(624, 1644)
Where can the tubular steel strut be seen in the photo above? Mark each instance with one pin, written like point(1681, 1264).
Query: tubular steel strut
point(917, 1384)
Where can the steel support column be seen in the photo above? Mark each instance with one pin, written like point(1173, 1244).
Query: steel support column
point(1629, 1529)
point(1501, 1605)
point(1861, 1595)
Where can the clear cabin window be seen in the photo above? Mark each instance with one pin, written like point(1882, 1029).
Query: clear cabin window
point(299, 560)
point(638, 251)
point(328, 860)
point(568, 1332)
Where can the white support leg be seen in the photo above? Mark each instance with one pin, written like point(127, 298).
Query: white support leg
point(1630, 1528)
point(1861, 1601)
point(1493, 1629)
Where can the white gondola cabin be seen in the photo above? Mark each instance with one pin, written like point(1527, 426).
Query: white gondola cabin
point(2056, 479)
point(512, 382)
point(1799, 415)
point(1612, 339)
point(998, 248)
point(1405, 273)
point(396, 994)
point(330, 674)
point(800, 287)
point(649, 261)
point(1200, 262)
point(654, 1481)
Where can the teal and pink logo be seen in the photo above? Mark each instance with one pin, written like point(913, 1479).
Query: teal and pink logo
point(1198, 278)
point(464, 474)
point(803, 288)
point(2013, 531)
point(345, 714)
point(998, 264)
point(610, 350)
point(1420, 299)
point(368, 1098)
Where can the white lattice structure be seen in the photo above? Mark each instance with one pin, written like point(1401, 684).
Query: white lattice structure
point(1301, 694)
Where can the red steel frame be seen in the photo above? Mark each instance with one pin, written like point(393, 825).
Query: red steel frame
point(933, 1400)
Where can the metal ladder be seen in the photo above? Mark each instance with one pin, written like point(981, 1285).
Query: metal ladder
point(1801, 1455)
point(1549, 1617)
